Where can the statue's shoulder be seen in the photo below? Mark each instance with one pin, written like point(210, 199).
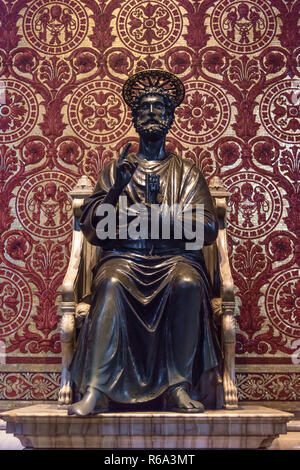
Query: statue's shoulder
point(186, 164)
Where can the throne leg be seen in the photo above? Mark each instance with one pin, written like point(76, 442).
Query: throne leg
point(228, 328)
point(67, 335)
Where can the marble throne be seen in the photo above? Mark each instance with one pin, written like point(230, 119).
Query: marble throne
point(76, 294)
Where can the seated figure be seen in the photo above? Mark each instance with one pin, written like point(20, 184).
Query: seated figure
point(151, 330)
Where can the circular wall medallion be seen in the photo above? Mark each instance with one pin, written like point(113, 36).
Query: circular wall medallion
point(204, 114)
point(149, 27)
point(43, 206)
point(15, 301)
point(282, 302)
point(97, 112)
point(243, 26)
point(55, 27)
point(255, 205)
point(18, 111)
point(280, 111)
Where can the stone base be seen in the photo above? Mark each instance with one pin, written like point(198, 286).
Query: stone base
point(49, 427)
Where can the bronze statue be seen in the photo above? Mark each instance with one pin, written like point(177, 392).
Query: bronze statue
point(150, 331)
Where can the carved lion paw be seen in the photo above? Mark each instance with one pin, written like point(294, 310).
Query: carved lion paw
point(65, 395)
point(230, 392)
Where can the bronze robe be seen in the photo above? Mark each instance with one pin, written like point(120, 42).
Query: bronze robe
point(151, 323)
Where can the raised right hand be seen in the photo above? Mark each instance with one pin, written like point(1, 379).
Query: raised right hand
point(124, 170)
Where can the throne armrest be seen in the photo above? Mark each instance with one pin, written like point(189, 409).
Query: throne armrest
point(67, 288)
point(221, 197)
point(82, 190)
point(68, 291)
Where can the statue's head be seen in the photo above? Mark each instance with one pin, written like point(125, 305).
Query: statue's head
point(153, 113)
point(153, 96)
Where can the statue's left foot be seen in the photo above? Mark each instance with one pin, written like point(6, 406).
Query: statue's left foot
point(92, 402)
point(178, 400)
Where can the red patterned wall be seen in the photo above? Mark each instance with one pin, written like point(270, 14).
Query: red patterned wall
point(62, 66)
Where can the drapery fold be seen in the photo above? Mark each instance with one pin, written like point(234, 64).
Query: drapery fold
point(151, 323)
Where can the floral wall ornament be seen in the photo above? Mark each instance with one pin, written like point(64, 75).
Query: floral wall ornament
point(204, 114)
point(280, 111)
point(97, 112)
point(149, 27)
point(18, 113)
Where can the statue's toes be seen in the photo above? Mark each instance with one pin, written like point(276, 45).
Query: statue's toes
point(190, 406)
point(78, 410)
point(196, 406)
point(71, 411)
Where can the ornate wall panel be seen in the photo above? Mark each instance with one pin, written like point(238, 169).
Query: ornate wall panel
point(62, 66)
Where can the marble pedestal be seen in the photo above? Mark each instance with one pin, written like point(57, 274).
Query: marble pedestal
point(48, 427)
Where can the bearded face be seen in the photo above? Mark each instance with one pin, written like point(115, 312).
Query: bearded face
point(152, 119)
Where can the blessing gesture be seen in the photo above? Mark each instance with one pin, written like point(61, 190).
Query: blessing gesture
point(124, 170)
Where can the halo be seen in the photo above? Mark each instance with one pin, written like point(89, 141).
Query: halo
point(153, 78)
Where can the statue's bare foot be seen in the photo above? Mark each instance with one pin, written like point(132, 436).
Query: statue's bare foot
point(178, 400)
point(92, 402)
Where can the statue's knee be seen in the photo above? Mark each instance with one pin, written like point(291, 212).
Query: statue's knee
point(187, 279)
point(189, 283)
point(113, 281)
point(110, 280)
